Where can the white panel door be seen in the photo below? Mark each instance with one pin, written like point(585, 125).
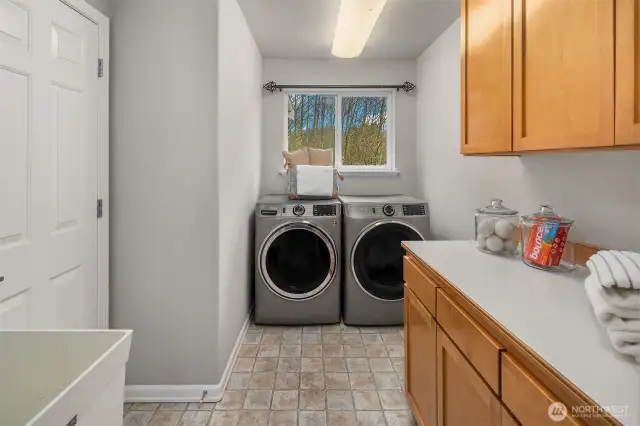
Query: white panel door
point(48, 166)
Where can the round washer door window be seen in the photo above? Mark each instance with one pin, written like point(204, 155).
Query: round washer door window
point(376, 259)
point(297, 261)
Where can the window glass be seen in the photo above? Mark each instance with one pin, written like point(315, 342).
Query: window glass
point(364, 130)
point(312, 120)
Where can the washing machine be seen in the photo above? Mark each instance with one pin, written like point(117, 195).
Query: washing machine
point(373, 229)
point(297, 261)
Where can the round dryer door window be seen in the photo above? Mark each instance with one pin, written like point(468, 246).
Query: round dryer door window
point(376, 259)
point(298, 261)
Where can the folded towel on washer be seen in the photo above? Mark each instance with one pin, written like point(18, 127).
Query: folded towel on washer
point(315, 181)
point(609, 303)
point(625, 337)
point(616, 268)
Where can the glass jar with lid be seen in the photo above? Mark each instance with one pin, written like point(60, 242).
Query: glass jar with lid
point(544, 236)
point(496, 229)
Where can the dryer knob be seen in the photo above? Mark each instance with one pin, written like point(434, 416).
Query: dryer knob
point(388, 210)
point(298, 210)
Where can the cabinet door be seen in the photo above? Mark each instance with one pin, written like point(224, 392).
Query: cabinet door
point(420, 350)
point(563, 65)
point(627, 72)
point(486, 76)
point(463, 397)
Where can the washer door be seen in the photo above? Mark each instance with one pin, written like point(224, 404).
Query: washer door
point(298, 260)
point(376, 258)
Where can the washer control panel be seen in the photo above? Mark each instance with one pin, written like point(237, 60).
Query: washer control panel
point(385, 210)
point(324, 210)
point(308, 209)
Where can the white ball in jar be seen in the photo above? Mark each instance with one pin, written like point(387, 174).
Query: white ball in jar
point(504, 229)
point(510, 245)
point(486, 227)
point(482, 242)
point(495, 243)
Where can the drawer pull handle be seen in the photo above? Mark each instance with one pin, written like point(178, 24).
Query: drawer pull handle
point(1, 279)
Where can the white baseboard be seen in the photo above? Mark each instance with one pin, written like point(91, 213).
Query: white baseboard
point(188, 393)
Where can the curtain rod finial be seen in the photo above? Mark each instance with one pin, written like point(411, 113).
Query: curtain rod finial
point(407, 86)
point(270, 86)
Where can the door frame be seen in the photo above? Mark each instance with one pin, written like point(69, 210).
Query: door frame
point(92, 14)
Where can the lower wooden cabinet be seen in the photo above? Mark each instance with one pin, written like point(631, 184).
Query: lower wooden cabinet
point(420, 349)
point(463, 397)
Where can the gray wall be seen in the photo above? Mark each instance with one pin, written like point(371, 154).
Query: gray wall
point(103, 6)
point(164, 190)
point(291, 71)
point(601, 191)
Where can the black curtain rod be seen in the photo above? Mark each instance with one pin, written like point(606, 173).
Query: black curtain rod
point(272, 86)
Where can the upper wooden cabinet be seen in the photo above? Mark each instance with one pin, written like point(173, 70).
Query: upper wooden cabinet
point(486, 76)
point(545, 75)
point(627, 72)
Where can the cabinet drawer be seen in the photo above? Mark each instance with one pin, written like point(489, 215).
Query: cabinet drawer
point(526, 397)
point(420, 284)
point(475, 343)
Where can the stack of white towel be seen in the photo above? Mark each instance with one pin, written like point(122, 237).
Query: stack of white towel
point(614, 290)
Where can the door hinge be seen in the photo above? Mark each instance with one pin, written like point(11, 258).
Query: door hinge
point(100, 209)
point(100, 68)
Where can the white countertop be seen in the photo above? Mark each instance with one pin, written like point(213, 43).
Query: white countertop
point(548, 311)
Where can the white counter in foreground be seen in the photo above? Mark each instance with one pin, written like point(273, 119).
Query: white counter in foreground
point(549, 312)
point(50, 378)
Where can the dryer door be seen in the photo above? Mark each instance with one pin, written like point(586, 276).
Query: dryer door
point(376, 258)
point(298, 260)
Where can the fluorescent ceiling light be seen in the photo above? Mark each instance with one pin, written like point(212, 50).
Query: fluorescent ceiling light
point(356, 20)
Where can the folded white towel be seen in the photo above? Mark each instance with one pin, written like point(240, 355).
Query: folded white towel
point(619, 273)
point(631, 262)
point(316, 181)
point(609, 303)
point(626, 342)
point(616, 269)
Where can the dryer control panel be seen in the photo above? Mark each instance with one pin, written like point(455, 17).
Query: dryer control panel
point(385, 210)
point(309, 209)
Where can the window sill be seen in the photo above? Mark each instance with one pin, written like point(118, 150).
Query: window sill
point(359, 173)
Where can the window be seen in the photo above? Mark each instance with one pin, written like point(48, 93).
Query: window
point(357, 126)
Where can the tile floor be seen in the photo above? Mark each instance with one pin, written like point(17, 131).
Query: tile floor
point(331, 375)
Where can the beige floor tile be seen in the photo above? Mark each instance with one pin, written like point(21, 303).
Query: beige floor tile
point(361, 381)
point(224, 418)
point(336, 381)
point(271, 339)
point(311, 365)
point(332, 351)
point(366, 400)
point(173, 406)
point(354, 351)
point(311, 381)
point(248, 351)
point(386, 381)
point(311, 351)
point(392, 338)
point(395, 351)
point(315, 339)
point(398, 364)
point(239, 381)
point(294, 329)
point(311, 329)
point(137, 418)
point(381, 365)
point(195, 418)
point(272, 329)
point(265, 365)
point(351, 339)
point(393, 400)
point(287, 381)
point(313, 400)
point(358, 365)
point(283, 418)
point(312, 418)
point(253, 418)
point(399, 418)
point(232, 400)
point(292, 339)
point(369, 330)
point(243, 365)
point(165, 418)
point(331, 328)
point(144, 406)
point(388, 330)
point(262, 380)
point(290, 350)
point(257, 400)
point(334, 365)
point(289, 365)
point(370, 418)
point(253, 327)
point(205, 406)
point(252, 338)
point(339, 400)
point(349, 329)
point(370, 339)
point(268, 351)
point(285, 400)
point(376, 351)
point(331, 339)
point(341, 418)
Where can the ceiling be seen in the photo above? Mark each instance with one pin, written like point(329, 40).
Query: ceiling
point(304, 28)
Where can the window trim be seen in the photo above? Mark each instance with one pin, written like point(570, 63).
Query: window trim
point(387, 169)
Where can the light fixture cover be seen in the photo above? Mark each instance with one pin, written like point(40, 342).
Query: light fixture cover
point(356, 20)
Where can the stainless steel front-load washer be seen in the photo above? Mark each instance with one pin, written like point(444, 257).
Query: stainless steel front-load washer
point(373, 229)
point(297, 261)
